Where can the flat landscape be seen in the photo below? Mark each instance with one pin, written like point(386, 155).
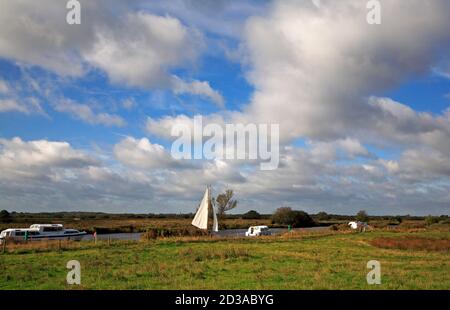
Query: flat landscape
point(410, 259)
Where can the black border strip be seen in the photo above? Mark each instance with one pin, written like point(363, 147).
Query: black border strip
point(347, 299)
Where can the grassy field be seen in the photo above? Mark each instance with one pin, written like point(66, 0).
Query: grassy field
point(326, 260)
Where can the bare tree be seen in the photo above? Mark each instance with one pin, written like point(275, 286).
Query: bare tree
point(225, 202)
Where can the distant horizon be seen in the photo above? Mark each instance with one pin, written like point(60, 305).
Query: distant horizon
point(229, 213)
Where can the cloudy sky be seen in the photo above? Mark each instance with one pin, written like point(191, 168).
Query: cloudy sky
point(86, 110)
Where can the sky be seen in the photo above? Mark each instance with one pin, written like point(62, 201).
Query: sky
point(86, 110)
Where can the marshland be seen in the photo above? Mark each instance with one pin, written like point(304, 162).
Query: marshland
point(413, 252)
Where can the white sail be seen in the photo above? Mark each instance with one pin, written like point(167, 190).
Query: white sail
point(201, 217)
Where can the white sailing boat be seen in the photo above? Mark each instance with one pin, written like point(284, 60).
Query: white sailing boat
point(201, 217)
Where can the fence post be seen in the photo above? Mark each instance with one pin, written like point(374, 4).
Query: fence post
point(109, 240)
point(4, 245)
point(59, 244)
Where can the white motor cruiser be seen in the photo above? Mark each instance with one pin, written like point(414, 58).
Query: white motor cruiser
point(42, 232)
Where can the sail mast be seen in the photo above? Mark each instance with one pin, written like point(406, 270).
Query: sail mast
point(215, 223)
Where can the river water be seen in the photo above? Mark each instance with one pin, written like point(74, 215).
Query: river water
point(221, 233)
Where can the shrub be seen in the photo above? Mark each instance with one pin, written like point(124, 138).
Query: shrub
point(287, 216)
point(430, 220)
point(154, 233)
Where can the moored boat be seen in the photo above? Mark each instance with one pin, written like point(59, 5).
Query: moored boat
point(42, 232)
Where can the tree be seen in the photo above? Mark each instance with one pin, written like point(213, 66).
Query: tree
point(362, 216)
point(323, 216)
point(225, 202)
point(4, 216)
point(283, 216)
point(287, 216)
point(251, 215)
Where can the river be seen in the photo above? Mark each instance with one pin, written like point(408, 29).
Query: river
point(221, 233)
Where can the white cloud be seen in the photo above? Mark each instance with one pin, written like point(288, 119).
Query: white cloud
point(143, 49)
point(4, 89)
point(423, 164)
point(198, 88)
point(134, 48)
point(162, 127)
point(400, 124)
point(143, 154)
point(343, 148)
point(312, 69)
point(85, 113)
point(36, 34)
point(41, 157)
point(220, 17)
point(9, 105)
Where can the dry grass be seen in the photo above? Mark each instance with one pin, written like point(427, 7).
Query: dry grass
point(412, 243)
point(41, 245)
point(55, 245)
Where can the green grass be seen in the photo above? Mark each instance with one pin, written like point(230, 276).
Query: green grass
point(336, 261)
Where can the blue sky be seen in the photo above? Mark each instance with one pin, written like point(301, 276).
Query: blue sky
point(86, 110)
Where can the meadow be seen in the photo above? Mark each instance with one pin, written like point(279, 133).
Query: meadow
point(297, 260)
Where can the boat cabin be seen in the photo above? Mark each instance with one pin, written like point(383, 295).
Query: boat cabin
point(255, 231)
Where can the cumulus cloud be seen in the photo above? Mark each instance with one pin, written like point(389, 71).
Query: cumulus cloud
point(134, 48)
point(312, 69)
point(143, 49)
point(162, 127)
point(143, 154)
point(399, 123)
point(198, 88)
point(85, 113)
point(22, 158)
point(423, 164)
point(340, 149)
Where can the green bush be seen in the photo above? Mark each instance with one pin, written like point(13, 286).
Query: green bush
point(287, 216)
